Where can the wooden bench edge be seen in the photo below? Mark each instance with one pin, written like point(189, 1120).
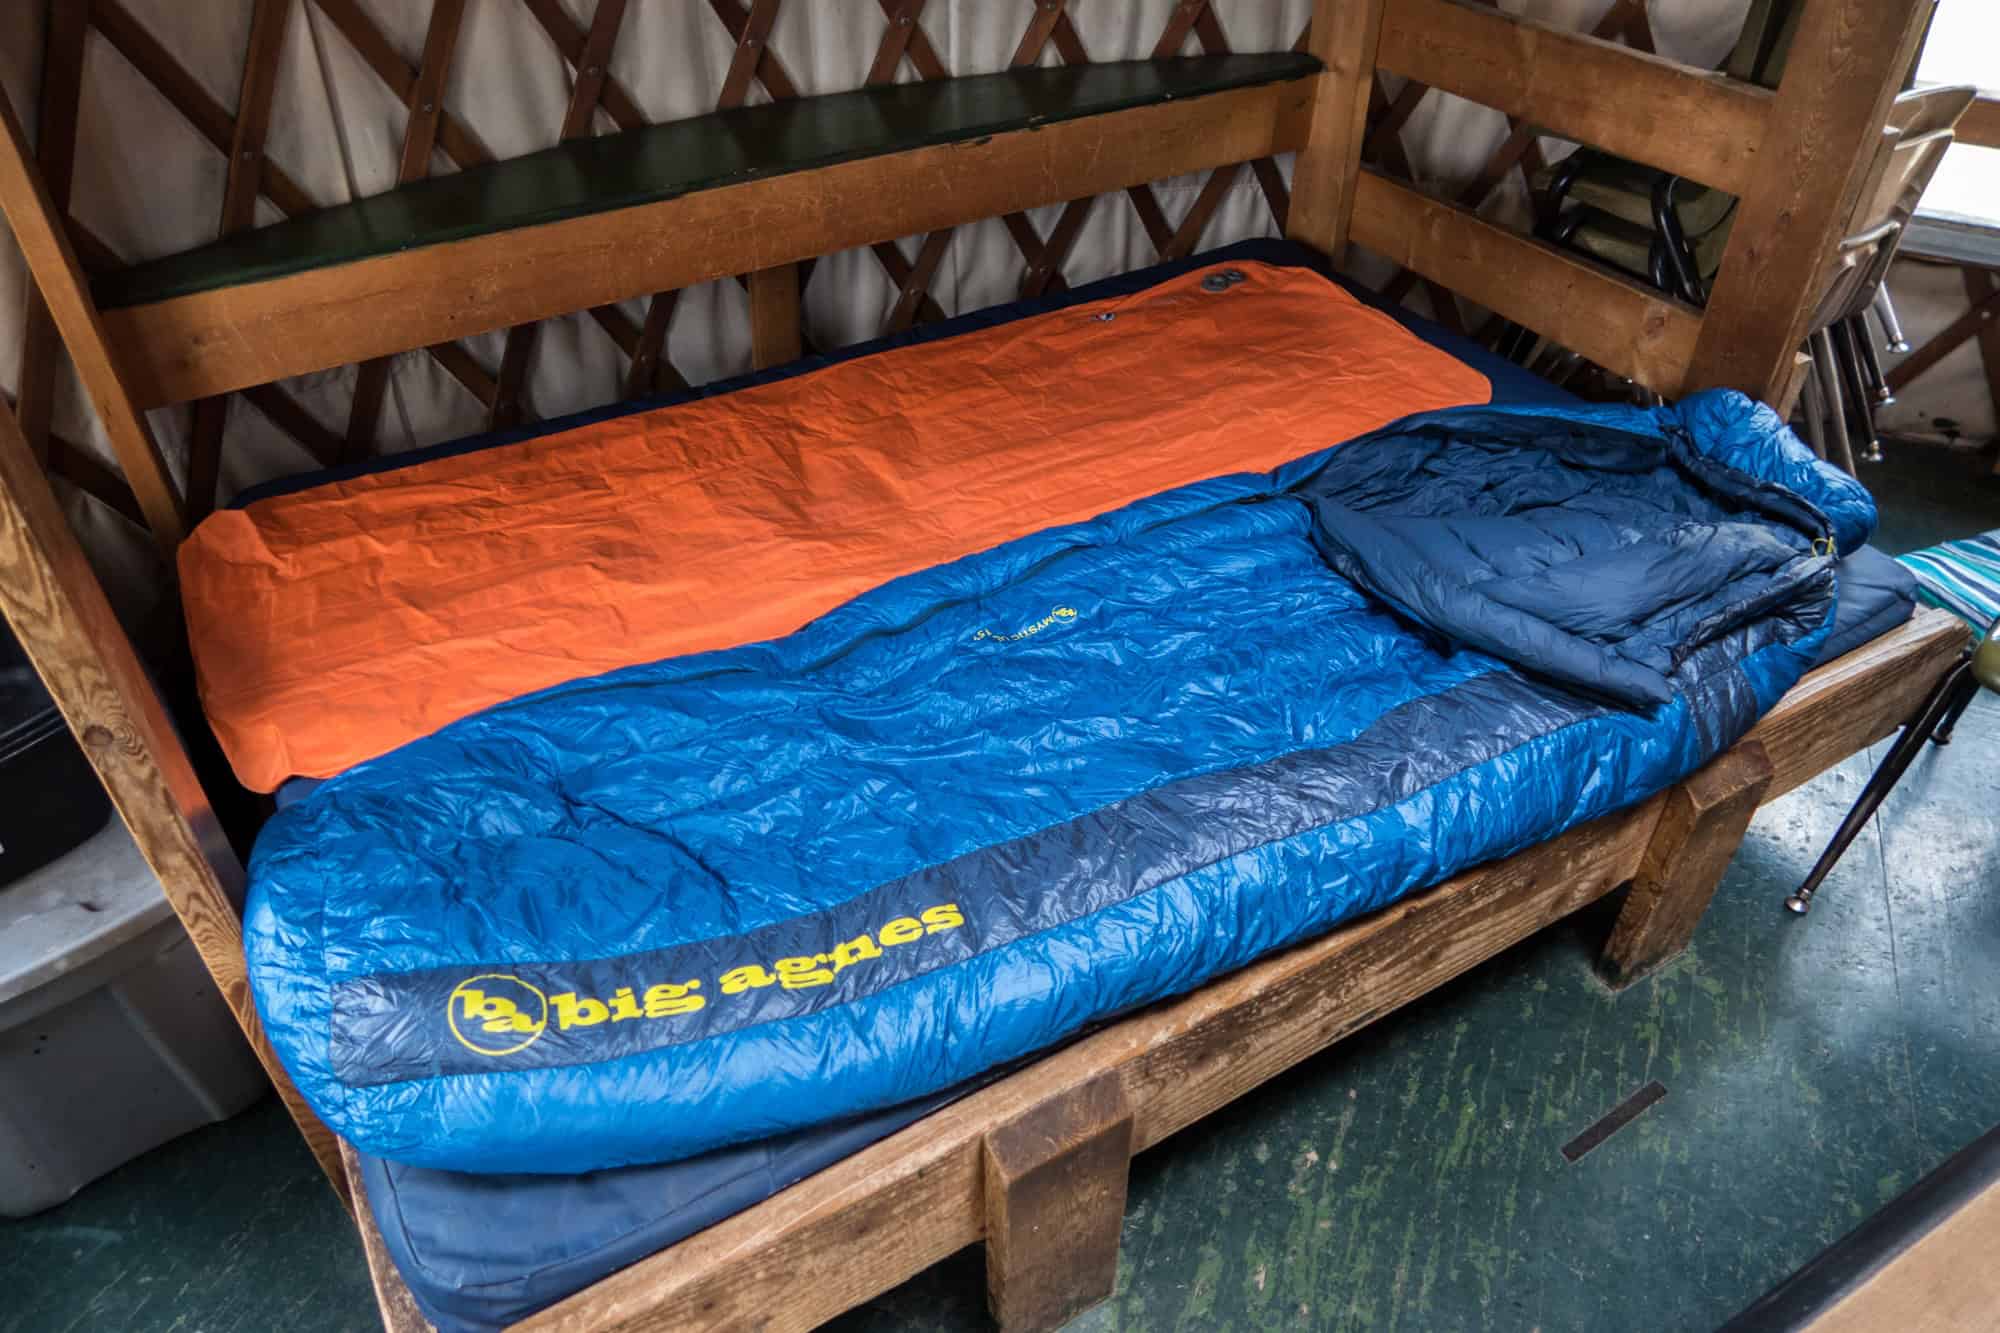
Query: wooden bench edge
point(1857, 699)
point(230, 338)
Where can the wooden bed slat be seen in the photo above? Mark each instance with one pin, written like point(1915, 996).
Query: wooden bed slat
point(228, 338)
point(1622, 326)
point(1688, 121)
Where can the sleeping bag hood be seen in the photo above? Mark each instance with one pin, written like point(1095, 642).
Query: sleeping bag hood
point(1592, 551)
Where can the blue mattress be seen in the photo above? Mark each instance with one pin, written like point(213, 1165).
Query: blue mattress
point(463, 1240)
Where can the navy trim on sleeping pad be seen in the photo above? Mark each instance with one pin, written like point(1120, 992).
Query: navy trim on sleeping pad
point(1876, 594)
point(481, 1252)
point(1511, 383)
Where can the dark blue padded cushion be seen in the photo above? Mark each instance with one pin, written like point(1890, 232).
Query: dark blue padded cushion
point(1876, 595)
point(480, 1252)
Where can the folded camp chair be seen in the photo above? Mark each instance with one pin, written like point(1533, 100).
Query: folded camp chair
point(1963, 577)
point(1671, 231)
point(1645, 221)
point(1845, 381)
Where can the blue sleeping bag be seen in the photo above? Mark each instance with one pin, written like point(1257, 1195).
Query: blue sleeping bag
point(728, 896)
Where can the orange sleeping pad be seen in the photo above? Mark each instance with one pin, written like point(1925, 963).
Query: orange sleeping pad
point(335, 623)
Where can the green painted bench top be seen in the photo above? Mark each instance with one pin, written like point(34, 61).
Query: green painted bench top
point(680, 157)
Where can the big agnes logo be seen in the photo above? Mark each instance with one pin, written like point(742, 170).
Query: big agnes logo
point(498, 1014)
point(495, 1014)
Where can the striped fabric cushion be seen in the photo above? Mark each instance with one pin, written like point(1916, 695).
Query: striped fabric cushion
point(1963, 577)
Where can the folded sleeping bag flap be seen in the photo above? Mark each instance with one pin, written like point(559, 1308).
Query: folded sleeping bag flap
point(1599, 557)
point(728, 895)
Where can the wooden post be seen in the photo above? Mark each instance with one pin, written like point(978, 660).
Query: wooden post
point(774, 316)
point(1055, 1198)
point(1701, 823)
point(1344, 36)
point(1846, 65)
point(53, 263)
point(60, 615)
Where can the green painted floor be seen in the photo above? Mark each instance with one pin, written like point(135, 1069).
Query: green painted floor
point(1410, 1178)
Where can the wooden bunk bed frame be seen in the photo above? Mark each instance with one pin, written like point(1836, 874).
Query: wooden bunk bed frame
point(1034, 1165)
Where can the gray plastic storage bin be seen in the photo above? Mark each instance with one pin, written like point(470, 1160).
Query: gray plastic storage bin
point(113, 1039)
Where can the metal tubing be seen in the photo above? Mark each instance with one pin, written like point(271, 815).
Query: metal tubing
point(1949, 696)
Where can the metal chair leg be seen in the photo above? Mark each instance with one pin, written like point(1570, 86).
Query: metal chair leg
point(1842, 451)
point(1942, 736)
point(1859, 393)
point(1678, 257)
point(1885, 310)
point(1958, 685)
point(1871, 364)
point(1813, 404)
